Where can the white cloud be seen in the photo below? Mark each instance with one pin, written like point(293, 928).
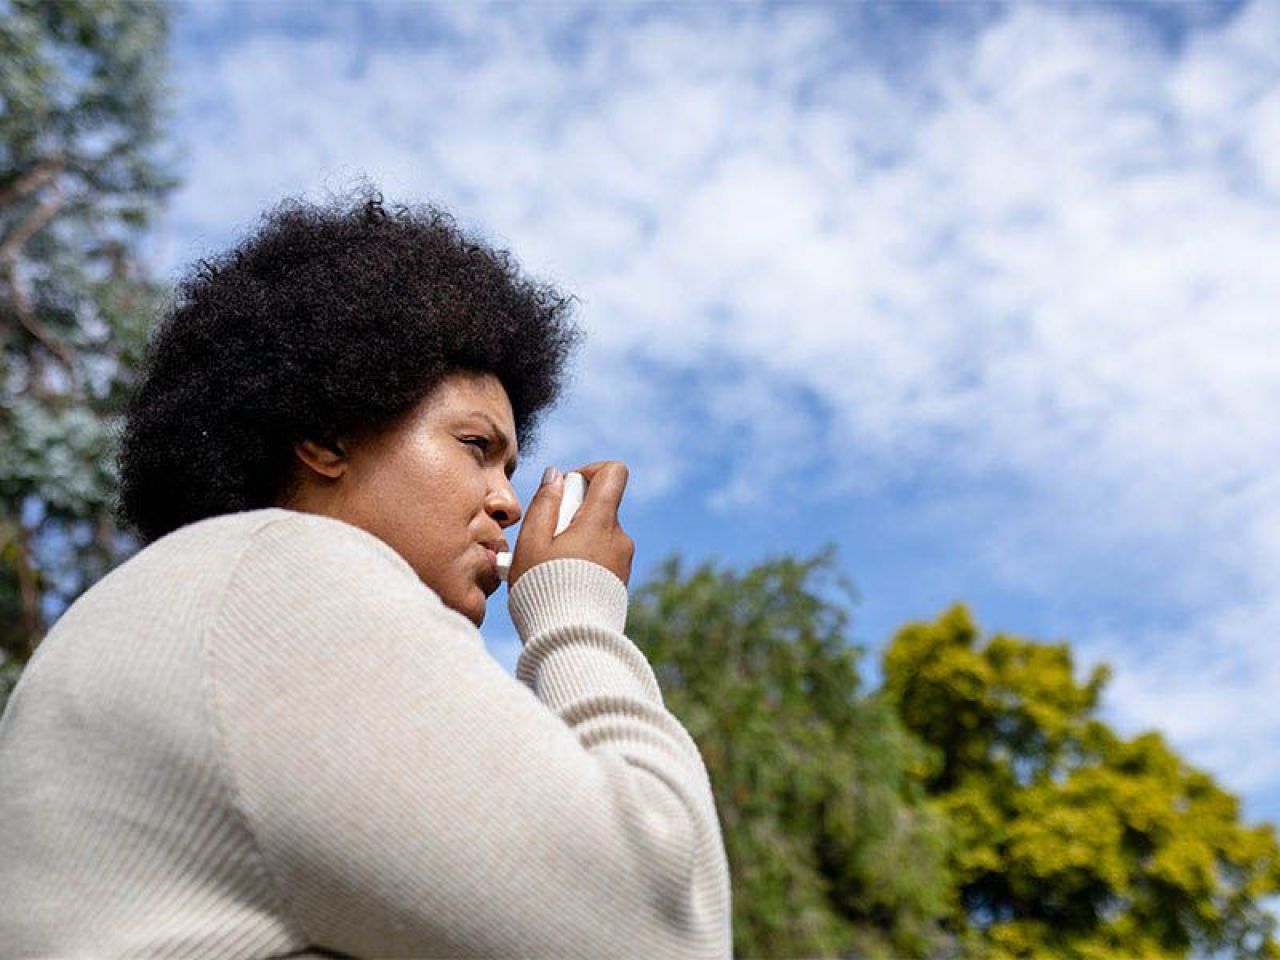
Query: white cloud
point(1043, 253)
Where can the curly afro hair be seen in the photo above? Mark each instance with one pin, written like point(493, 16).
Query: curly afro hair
point(330, 321)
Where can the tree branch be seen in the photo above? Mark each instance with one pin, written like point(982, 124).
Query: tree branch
point(14, 545)
point(10, 249)
point(32, 180)
point(42, 213)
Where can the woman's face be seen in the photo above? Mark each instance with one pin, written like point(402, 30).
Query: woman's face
point(435, 486)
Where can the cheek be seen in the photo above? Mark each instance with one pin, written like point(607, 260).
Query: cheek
point(419, 512)
point(440, 521)
point(425, 488)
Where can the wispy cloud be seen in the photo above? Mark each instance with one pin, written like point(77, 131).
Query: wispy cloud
point(1035, 251)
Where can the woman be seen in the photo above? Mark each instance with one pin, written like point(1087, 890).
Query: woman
point(275, 730)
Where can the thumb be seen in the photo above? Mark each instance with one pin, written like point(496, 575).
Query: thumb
point(539, 524)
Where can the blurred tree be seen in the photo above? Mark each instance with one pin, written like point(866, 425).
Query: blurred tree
point(81, 88)
point(833, 849)
point(1072, 841)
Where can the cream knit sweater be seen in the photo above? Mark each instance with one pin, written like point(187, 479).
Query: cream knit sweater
point(262, 736)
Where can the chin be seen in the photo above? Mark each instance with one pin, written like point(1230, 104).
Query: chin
point(470, 602)
point(475, 610)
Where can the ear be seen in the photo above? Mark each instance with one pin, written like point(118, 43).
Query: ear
point(327, 459)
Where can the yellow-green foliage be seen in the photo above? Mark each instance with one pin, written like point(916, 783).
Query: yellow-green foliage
point(1069, 840)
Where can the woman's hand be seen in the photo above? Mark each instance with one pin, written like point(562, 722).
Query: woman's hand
point(594, 534)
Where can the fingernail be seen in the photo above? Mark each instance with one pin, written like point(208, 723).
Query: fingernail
point(550, 475)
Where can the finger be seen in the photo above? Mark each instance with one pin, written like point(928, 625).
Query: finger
point(544, 509)
point(591, 469)
point(606, 483)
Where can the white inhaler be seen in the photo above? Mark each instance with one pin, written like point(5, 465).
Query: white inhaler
point(575, 489)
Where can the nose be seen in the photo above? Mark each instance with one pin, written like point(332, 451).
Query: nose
point(502, 503)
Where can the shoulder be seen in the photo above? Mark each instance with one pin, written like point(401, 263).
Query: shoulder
point(314, 538)
point(304, 587)
point(199, 558)
point(288, 555)
point(273, 532)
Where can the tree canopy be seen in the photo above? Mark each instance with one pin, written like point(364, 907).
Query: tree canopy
point(1069, 839)
point(81, 175)
point(832, 848)
point(976, 805)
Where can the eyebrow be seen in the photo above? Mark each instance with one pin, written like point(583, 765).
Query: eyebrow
point(504, 441)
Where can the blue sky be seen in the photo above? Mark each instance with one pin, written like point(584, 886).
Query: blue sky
point(984, 294)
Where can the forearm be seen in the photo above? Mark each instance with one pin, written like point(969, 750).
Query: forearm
point(577, 661)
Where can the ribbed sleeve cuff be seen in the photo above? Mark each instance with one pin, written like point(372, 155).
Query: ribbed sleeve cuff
point(568, 591)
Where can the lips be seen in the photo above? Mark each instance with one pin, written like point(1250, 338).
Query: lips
point(489, 575)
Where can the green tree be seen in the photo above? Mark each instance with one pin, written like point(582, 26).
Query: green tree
point(833, 849)
point(81, 89)
point(1073, 842)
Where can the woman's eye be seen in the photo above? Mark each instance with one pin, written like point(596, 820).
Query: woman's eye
point(479, 443)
